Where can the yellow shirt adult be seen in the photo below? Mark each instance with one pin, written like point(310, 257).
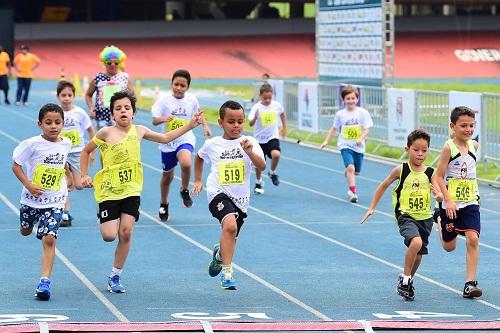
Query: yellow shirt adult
point(25, 63)
point(4, 63)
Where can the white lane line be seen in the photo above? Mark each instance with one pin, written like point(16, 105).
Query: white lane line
point(241, 269)
point(100, 296)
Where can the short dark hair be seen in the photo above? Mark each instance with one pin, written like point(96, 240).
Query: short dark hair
point(419, 133)
point(64, 84)
point(25, 47)
point(266, 87)
point(349, 89)
point(50, 107)
point(461, 111)
point(120, 95)
point(182, 73)
point(231, 105)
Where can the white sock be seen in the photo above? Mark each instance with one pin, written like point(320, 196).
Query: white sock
point(271, 172)
point(115, 271)
point(406, 279)
point(258, 181)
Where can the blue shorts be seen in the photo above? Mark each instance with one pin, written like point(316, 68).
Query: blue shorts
point(468, 219)
point(351, 157)
point(169, 160)
point(48, 220)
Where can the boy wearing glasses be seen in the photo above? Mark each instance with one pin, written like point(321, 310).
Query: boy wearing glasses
point(106, 84)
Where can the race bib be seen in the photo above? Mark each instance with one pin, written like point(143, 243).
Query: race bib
point(107, 93)
point(462, 190)
point(123, 174)
point(351, 132)
point(417, 201)
point(231, 173)
point(176, 123)
point(73, 135)
point(49, 178)
point(268, 118)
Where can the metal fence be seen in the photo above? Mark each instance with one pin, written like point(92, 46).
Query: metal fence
point(490, 137)
point(431, 109)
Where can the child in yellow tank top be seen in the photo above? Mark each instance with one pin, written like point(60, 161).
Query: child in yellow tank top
point(118, 185)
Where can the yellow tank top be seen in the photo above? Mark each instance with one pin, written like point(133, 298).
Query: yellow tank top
point(121, 175)
point(412, 195)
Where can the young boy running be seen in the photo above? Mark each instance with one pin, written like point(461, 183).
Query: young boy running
point(353, 124)
point(174, 110)
point(411, 199)
point(44, 186)
point(232, 157)
point(264, 116)
point(456, 175)
point(118, 184)
point(76, 123)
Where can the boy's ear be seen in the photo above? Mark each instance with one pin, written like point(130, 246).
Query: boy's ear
point(220, 122)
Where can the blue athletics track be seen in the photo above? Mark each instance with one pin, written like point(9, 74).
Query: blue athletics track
point(303, 262)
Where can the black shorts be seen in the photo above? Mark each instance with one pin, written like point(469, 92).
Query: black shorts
point(468, 219)
point(273, 144)
point(112, 209)
point(4, 82)
point(410, 228)
point(222, 206)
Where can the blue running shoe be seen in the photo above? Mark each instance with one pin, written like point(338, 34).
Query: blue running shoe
point(215, 266)
point(115, 284)
point(227, 281)
point(43, 290)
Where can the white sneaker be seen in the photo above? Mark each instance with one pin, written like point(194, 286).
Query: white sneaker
point(259, 188)
point(352, 196)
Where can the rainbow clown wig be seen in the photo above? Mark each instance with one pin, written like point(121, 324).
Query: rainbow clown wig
point(112, 52)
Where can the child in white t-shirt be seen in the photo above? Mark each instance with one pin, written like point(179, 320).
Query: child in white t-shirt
point(172, 111)
point(76, 122)
point(44, 186)
point(353, 124)
point(264, 117)
point(232, 158)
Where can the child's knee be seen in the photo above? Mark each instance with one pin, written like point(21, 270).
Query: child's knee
point(350, 168)
point(275, 154)
point(49, 240)
point(472, 239)
point(230, 226)
point(125, 234)
point(416, 242)
point(26, 231)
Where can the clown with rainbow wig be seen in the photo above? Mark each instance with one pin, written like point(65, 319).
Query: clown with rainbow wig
point(105, 84)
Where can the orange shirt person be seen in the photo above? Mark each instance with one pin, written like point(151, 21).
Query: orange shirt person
point(24, 63)
point(4, 74)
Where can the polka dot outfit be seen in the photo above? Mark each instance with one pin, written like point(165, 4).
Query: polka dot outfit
point(101, 80)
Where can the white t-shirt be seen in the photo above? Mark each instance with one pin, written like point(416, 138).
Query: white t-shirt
point(266, 126)
point(230, 169)
point(350, 125)
point(37, 153)
point(76, 120)
point(182, 110)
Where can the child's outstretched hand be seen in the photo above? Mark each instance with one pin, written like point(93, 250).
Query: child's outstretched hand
point(246, 145)
point(35, 190)
point(197, 187)
point(368, 213)
point(436, 192)
point(86, 181)
point(197, 119)
point(451, 209)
